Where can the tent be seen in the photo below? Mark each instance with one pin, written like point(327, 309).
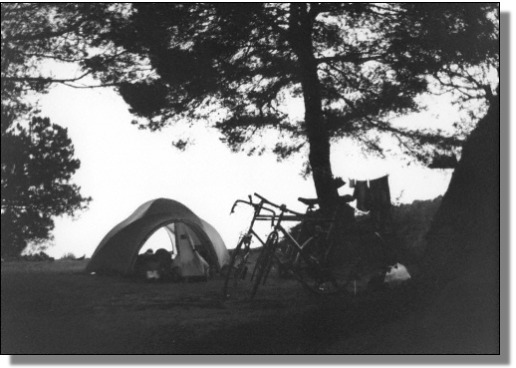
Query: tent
point(197, 244)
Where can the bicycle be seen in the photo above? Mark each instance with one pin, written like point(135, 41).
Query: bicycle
point(307, 261)
point(239, 262)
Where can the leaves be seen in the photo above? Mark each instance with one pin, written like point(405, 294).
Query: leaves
point(173, 61)
point(37, 165)
point(373, 60)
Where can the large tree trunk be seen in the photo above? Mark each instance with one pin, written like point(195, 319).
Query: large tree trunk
point(461, 314)
point(464, 237)
point(316, 131)
point(462, 261)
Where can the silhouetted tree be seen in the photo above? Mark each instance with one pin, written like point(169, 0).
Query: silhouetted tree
point(37, 165)
point(465, 234)
point(37, 156)
point(355, 65)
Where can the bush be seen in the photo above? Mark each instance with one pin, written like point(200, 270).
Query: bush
point(37, 257)
point(412, 222)
point(68, 257)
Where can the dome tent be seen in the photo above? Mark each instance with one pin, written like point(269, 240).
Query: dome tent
point(118, 250)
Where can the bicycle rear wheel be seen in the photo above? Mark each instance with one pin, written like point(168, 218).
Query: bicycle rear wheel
point(321, 281)
point(237, 269)
point(264, 262)
point(312, 270)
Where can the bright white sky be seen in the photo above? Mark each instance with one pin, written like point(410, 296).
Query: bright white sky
point(123, 167)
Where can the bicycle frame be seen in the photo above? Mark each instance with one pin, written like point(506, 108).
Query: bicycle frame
point(239, 259)
point(299, 248)
point(298, 217)
point(257, 216)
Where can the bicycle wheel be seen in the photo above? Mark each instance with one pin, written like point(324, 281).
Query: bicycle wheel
point(264, 262)
point(237, 269)
point(313, 272)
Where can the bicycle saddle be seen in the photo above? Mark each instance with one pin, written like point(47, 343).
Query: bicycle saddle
point(308, 201)
point(313, 201)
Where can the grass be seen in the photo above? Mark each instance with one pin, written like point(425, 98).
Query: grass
point(56, 308)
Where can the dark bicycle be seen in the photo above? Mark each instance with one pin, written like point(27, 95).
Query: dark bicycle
point(305, 258)
point(239, 263)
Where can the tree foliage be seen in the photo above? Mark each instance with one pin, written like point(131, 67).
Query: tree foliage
point(65, 33)
point(371, 59)
point(355, 66)
point(37, 156)
point(37, 165)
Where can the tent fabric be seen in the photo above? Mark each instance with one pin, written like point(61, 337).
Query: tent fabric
point(118, 250)
point(188, 261)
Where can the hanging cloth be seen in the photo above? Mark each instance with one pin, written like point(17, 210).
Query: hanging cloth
point(379, 193)
point(381, 204)
point(362, 195)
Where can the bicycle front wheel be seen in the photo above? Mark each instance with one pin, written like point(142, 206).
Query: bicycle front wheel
point(264, 263)
point(237, 269)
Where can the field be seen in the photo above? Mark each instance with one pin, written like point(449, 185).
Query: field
point(57, 308)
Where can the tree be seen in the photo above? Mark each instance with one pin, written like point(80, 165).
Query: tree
point(355, 66)
point(57, 34)
point(37, 165)
point(40, 38)
point(37, 156)
point(465, 232)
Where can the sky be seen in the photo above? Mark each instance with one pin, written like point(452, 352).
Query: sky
point(123, 166)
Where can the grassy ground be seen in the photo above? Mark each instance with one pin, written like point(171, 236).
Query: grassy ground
point(55, 308)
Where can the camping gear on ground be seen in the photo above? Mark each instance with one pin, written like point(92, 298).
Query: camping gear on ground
point(196, 244)
point(154, 266)
point(397, 275)
point(373, 280)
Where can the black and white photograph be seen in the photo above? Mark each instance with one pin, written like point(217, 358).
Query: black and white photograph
point(311, 180)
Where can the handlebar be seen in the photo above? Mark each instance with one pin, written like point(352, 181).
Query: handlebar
point(282, 207)
point(257, 207)
point(237, 202)
point(263, 200)
point(254, 205)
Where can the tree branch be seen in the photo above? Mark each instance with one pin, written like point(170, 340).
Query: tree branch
point(45, 79)
point(44, 34)
point(349, 58)
point(54, 57)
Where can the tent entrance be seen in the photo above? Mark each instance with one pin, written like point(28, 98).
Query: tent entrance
point(162, 238)
point(174, 249)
